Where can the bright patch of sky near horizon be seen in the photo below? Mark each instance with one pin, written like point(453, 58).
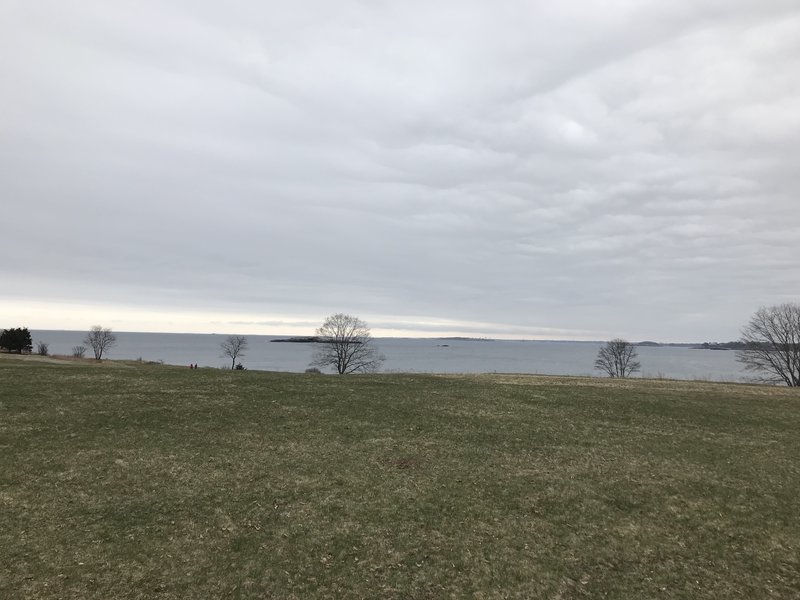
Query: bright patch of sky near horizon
point(521, 169)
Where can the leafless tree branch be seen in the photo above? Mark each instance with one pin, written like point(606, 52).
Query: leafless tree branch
point(233, 347)
point(618, 358)
point(100, 340)
point(772, 344)
point(346, 344)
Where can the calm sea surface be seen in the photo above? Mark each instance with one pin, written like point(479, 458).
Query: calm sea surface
point(413, 355)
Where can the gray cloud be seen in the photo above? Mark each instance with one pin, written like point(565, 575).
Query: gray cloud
point(530, 169)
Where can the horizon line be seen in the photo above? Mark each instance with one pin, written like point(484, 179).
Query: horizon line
point(399, 337)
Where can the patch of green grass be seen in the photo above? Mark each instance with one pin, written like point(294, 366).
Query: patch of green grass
point(128, 480)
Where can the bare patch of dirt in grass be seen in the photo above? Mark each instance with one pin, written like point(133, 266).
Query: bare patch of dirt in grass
point(402, 463)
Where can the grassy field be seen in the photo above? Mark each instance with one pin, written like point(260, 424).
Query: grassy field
point(125, 480)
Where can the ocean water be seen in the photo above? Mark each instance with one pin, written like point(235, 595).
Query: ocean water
point(413, 355)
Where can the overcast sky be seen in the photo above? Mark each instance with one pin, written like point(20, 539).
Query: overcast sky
point(521, 169)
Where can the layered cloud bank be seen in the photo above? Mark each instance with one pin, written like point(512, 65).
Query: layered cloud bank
point(527, 169)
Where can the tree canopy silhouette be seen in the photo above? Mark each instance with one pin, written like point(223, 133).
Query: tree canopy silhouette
point(17, 339)
point(772, 344)
point(618, 358)
point(346, 345)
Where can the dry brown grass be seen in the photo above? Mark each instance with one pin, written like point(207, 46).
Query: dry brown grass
point(137, 481)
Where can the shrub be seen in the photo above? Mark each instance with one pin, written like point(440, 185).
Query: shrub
point(79, 351)
point(42, 348)
point(314, 370)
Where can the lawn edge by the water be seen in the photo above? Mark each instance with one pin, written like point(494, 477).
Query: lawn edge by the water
point(60, 359)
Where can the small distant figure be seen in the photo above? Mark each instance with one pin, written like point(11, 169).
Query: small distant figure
point(195, 365)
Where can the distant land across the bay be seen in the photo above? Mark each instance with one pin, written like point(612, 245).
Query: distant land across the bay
point(314, 339)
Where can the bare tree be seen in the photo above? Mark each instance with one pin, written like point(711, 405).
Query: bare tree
point(100, 340)
point(772, 344)
point(345, 344)
point(233, 347)
point(618, 358)
point(42, 348)
point(79, 351)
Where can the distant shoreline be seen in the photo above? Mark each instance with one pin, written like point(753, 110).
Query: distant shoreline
point(310, 339)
